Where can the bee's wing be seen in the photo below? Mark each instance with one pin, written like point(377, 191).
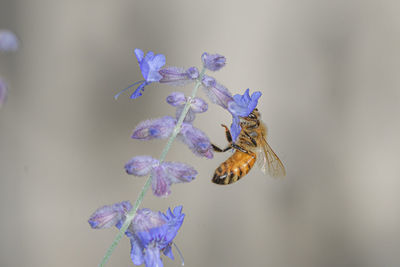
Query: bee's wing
point(267, 158)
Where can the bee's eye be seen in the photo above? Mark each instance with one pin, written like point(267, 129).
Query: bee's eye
point(252, 116)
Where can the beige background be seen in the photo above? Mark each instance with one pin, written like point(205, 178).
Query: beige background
point(329, 73)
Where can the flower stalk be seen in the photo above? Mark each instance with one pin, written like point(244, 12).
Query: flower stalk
point(131, 214)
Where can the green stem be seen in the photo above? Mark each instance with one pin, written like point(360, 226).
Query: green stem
point(131, 214)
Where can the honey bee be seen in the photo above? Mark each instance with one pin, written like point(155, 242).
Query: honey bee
point(251, 146)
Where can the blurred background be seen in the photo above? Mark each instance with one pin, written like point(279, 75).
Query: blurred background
point(329, 73)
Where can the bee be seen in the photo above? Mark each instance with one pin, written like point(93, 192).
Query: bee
point(251, 147)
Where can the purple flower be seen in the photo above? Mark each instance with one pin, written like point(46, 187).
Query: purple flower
point(196, 140)
point(178, 76)
point(8, 41)
point(164, 174)
point(3, 92)
point(156, 128)
point(150, 66)
point(241, 106)
point(178, 100)
point(216, 92)
point(152, 233)
point(213, 62)
point(110, 215)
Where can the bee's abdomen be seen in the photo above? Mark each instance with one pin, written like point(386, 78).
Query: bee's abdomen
point(234, 168)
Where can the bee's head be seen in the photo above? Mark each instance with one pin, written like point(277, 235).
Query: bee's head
point(253, 117)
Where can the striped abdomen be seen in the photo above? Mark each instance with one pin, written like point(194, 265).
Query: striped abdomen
point(234, 168)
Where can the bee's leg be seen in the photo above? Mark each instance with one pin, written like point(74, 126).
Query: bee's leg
point(241, 149)
point(228, 133)
point(253, 141)
point(217, 149)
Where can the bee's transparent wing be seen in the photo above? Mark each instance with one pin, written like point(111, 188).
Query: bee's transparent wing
point(267, 159)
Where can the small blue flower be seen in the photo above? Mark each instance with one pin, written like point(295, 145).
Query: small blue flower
point(241, 106)
point(150, 66)
point(152, 233)
point(196, 140)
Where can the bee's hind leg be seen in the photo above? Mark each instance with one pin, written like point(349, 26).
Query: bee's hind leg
point(228, 137)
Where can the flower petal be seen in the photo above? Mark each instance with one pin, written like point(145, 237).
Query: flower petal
point(139, 90)
point(213, 62)
point(243, 105)
point(136, 251)
point(139, 54)
point(160, 182)
point(179, 172)
point(216, 92)
point(157, 128)
point(235, 128)
point(196, 140)
point(176, 99)
point(175, 76)
point(140, 165)
point(152, 257)
point(109, 215)
point(198, 105)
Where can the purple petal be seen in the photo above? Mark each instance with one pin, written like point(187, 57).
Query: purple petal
point(175, 76)
point(196, 140)
point(208, 81)
point(109, 215)
point(168, 252)
point(190, 115)
point(156, 128)
point(136, 251)
point(139, 54)
point(145, 219)
point(198, 105)
point(213, 62)
point(176, 99)
point(243, 105)
point(3, 92)
point(8, 41)
point(179, 172)
point(150, 65)
point(141, 165)
point(235, 128)
point(160, 182)
point(139, 90)
point(219, 95)
point(193, 72)
point(152, 257)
